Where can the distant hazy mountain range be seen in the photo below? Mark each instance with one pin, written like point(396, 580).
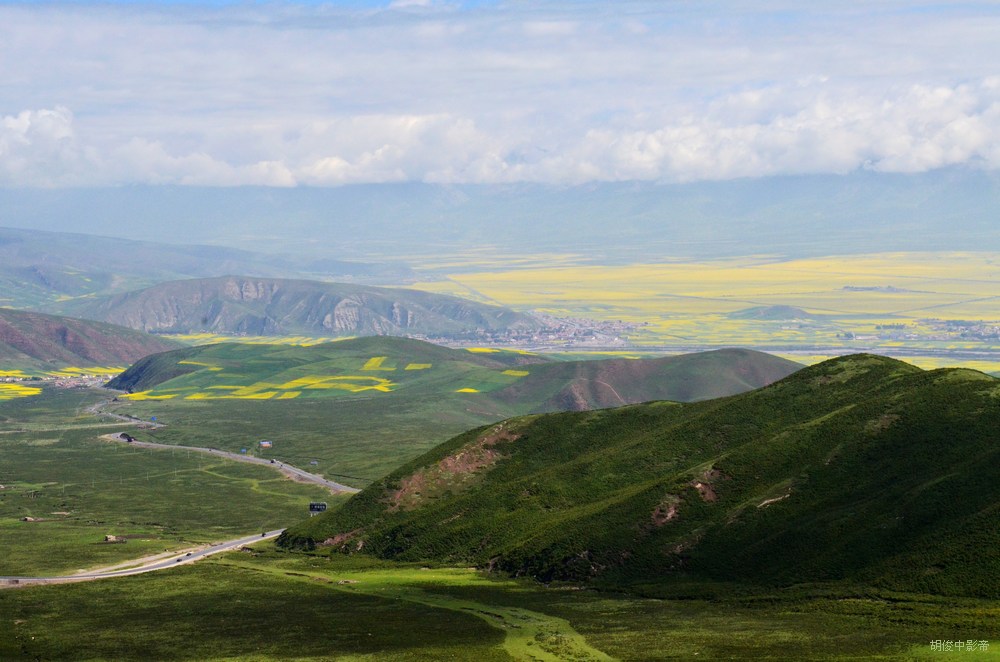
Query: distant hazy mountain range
point(268, 306)
point(33, 340)
point(864, 211)
point(39, 268)
point(861, 468)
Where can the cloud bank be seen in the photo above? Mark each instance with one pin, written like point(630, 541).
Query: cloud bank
point(297, 94)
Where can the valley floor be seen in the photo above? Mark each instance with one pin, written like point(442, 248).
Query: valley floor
point(271, 605)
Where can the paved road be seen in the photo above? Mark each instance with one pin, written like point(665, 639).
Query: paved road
point(173, 561)
point(284, 468)
point(98, 410)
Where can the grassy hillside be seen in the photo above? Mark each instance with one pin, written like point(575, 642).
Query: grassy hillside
point(595, 384)
point(33, 342)
point(269, 306)
point(391, 368)
point(368, 366)
point(361, 407)
point(860, 469)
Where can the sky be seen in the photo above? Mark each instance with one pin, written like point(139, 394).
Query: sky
point(323, 94)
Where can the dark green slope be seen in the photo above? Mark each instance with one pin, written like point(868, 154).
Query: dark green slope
point(861, 469)
point(274, 306)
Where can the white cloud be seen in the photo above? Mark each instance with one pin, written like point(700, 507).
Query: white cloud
point(292, 94)
point(39, 148)
point(549, 28)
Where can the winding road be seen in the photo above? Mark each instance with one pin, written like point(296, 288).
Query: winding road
point(287, 469)
point(173, 559)
point(161, 562)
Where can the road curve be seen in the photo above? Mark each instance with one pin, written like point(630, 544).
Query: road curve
point(287, 469)
point(181, 558)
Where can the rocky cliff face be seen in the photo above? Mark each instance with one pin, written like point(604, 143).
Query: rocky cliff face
point(264, 306)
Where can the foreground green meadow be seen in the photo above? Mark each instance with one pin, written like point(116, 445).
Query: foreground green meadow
point(269, 605)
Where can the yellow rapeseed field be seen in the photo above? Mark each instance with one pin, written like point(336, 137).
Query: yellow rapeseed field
point(11, 391)
point(376, 363)
point(97, 371)
point(712, 302)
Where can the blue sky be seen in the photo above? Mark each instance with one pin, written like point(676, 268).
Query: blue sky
point(334, 93)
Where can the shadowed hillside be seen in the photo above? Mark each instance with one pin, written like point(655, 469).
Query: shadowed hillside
point(33, 340)
point(582, 385)
point(861, 468)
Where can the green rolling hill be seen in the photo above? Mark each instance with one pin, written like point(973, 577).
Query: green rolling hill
point(33, 343)
point(362, 407)
point(399, 368)
point(860, 469)
point(271, 306)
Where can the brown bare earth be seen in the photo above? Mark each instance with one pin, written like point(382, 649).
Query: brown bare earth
point(341, 539)
point(706, 484)
point(666, 510)
point(49, 339)
point(452, 472)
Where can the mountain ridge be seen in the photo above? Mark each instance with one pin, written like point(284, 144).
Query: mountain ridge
point(40, 268)
point(276, 306)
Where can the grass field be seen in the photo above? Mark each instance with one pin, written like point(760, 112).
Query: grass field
point(78, 488)
point(279, 606)
point(891, 301)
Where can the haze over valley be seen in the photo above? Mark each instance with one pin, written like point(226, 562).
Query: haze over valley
point(490, 330)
